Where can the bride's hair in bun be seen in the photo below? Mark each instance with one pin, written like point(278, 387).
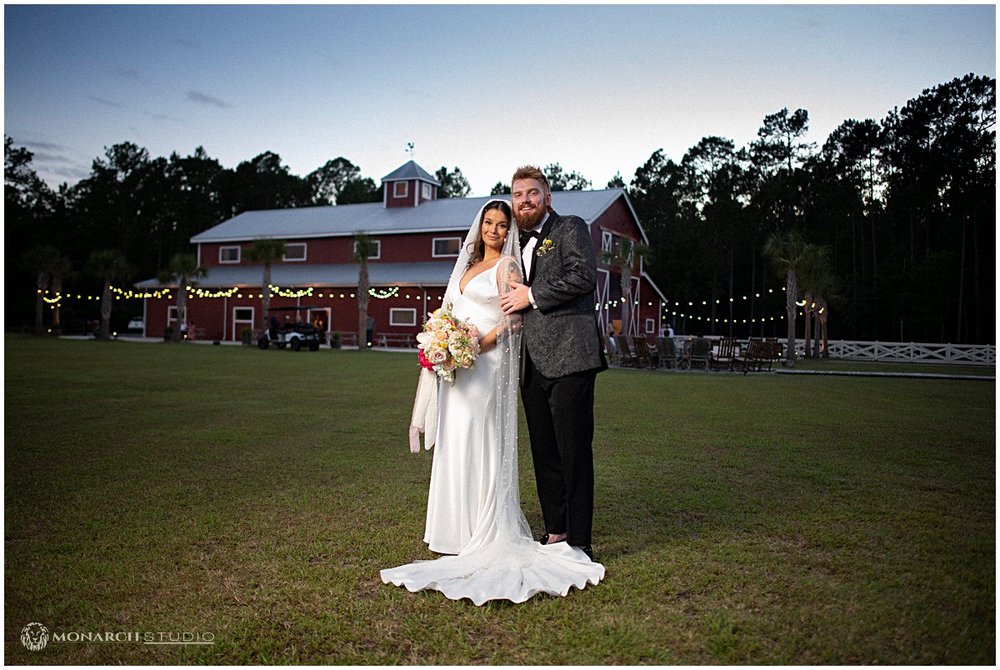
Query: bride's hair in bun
point(477, 249)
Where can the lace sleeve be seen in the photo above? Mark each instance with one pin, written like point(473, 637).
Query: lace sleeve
point(509, 270)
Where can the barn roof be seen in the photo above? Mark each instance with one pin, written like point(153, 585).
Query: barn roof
point(448, 214)
point(410, 170)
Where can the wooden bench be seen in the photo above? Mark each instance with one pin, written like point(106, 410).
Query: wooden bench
point(386, 340)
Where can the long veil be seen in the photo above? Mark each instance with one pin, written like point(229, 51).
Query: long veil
point(512, 522)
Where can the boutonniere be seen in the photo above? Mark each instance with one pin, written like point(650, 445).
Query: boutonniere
point(545, 247)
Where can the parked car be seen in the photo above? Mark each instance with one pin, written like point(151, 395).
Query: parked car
point(292, 334)
point(137, 323)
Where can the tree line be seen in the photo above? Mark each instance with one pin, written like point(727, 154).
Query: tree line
point(895, 218)
point(892, 221)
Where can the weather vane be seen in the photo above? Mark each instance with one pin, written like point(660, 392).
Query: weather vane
point(409, 149)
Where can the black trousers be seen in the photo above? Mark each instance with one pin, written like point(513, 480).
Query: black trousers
point(560, 416)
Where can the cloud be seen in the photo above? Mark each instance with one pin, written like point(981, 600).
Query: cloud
point(205, 99)
point(108, 103)
point(56, 163)
point(45, 146)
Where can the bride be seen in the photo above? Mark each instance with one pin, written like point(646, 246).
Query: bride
point(473, 506)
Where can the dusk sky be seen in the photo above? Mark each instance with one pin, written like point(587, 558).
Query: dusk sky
point(485, 88)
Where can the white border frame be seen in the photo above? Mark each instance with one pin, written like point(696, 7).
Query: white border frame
point(394, 310)
point(435, 240)
point(243, 322)
point(378, 250)
point(305, 252)
point(239, 254)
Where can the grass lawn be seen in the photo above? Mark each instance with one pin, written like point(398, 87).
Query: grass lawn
point(254, 495)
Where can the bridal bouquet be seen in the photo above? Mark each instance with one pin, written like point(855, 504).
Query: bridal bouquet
point(447, 344)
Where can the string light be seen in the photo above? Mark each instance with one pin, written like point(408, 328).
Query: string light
point(195, 293)
point(288, 293)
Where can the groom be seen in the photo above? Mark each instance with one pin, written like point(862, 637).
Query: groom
point(561, 355)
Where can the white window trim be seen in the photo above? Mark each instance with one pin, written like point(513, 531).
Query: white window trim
point(305, 252)
point(650, 326)
point(427, 192)
point(171, 314)
point(378, 250)
point(435, 254)
point(324, 310)
point(411, 311)
point(396, 190)
point(240, 324)
point(607, 241)
point(239, 255)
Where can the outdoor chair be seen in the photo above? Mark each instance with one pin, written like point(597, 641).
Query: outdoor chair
point(726, 354)
point(626, 357)
point(772, 351)
point(642, 351)
point(701, 353)
point(666, 352)
point(752, 359)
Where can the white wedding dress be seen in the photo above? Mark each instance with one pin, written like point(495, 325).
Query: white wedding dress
point(473, 507)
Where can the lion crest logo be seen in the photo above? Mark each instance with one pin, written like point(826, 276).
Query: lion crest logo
point(35, 636)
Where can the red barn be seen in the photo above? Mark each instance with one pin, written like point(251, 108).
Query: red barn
point(417, 238)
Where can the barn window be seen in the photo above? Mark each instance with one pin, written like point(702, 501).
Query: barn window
point(402, 316)
point(376, 249)
point(400, 189)
point(229, 254)
point(447, 247)
point(650, 326)
point(295, 252)
point(426, 189)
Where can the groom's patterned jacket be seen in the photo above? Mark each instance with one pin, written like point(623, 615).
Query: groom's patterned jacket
point(561, 335)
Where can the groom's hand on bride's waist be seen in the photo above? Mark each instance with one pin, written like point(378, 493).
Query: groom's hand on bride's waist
point(515, 300)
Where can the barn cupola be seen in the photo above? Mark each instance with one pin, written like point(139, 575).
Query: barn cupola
point(408, 186)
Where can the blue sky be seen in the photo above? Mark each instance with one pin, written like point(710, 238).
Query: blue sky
point(485, 88)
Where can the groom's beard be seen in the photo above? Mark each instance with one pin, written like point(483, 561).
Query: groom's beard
point(528, 218)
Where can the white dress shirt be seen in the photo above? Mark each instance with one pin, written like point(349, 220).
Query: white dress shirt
point(528, 256)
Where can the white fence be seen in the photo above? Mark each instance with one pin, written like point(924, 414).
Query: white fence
point(910, 352)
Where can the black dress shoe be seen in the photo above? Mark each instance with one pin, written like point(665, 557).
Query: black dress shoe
point(587, 550)
point(545, 539)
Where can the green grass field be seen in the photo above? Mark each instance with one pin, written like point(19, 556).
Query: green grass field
point(254, 496)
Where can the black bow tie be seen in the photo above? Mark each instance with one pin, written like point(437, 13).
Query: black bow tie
point(527, 235)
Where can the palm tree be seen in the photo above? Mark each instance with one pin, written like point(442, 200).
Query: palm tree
point(49, 267)
point(816, 276)
point(108, 265)
point(623, 258)
point(364, 246)
point(184, 270)
point(61, 272)
point(790, 254)
point(266, 251)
